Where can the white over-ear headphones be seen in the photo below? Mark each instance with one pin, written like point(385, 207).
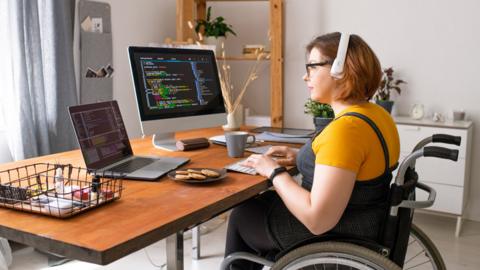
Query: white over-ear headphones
point(337, 67)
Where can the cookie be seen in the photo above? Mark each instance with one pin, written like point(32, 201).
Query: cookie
point(210, 173)
point(197, 176)
point(182, 177)
point(181, 172)
point(194, 171)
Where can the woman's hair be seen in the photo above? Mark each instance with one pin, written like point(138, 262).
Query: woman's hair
point(362, 71)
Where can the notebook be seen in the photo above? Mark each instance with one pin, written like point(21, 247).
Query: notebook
point(106, 147)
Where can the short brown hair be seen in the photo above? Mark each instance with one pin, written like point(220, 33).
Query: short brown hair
point(362, 71)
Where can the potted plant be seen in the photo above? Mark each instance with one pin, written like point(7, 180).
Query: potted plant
point(322, 113)
point(215, 30)
point(388, 83)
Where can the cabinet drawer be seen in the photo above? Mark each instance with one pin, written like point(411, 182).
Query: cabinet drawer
point(449, 198)
point(441, 171)
point(410, 135)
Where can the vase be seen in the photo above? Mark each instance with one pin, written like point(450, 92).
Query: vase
point(217, 42)
point(320, 123)
point(386, 104)
point(234, 120)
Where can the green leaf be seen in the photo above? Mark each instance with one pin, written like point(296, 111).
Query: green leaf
point(208, 13)
point(318, 109)
point(214, 28)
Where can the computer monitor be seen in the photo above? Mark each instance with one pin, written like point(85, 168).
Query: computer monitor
point(176, 89)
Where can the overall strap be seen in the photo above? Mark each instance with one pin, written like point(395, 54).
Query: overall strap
point(379, 135)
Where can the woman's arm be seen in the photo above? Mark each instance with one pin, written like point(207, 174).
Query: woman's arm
point(321, 209)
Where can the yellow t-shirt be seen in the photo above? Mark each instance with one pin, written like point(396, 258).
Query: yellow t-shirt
point(350, 143)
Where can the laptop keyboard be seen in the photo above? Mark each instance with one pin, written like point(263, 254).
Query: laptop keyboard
point(132, 165)
point(239, 168)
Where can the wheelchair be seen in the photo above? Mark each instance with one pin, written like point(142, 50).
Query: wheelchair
point(402, 245)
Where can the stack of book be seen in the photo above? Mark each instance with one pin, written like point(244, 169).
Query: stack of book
point(252, 50)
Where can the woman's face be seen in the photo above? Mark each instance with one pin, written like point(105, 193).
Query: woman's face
point(319, 82)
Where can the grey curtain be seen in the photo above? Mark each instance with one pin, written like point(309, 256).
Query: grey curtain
point(41, 43)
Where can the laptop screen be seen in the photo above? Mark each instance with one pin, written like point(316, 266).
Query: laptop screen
point(101, 133)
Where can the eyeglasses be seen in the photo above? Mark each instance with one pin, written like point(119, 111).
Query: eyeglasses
point(311, 66)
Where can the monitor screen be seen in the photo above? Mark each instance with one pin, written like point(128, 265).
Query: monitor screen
point(171, 83)
point(101, 133)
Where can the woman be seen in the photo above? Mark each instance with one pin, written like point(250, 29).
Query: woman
point(346, 168)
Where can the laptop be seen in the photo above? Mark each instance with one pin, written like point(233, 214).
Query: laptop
point(105, 145)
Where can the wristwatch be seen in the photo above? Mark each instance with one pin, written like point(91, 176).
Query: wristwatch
point(276, 172)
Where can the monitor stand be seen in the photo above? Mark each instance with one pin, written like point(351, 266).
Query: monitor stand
point(164, 141)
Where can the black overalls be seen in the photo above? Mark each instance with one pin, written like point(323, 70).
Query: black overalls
point(365, 212)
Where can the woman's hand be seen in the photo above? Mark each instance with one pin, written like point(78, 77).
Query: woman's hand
point(286, 156)
point(264, 165)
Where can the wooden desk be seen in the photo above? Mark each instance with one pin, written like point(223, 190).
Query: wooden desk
point(146, 213)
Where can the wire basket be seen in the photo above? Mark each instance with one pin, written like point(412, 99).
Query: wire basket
point(57, 190)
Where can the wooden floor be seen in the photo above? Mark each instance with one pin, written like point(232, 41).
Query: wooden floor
point(460, 253)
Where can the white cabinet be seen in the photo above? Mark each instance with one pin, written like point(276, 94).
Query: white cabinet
point(450, 179)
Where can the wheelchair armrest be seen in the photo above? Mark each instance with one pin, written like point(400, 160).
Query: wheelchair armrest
point(417, 204)
point(421, 204)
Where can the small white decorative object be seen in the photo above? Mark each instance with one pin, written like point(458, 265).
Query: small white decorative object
point(438, 117)
point(417, 112)
point(217, 42)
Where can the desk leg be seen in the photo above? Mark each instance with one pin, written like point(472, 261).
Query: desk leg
point(196, 242)
point(175, 251)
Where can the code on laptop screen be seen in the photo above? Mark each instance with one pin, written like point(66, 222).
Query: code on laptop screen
point(101, 133)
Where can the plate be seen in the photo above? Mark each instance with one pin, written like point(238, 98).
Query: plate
point(222, 172)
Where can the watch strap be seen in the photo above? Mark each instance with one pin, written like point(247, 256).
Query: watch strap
point(276, 172)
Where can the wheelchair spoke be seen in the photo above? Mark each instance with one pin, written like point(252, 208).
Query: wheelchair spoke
point(414, 240)
point(416, 255)
point(417, 265)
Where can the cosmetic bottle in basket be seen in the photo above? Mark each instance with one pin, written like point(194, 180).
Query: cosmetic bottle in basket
point(95, 189)
point(59, 185)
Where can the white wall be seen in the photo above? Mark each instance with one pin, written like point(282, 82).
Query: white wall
point(432, 44)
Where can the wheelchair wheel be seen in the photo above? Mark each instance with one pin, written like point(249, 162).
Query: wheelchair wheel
point(421, 252)
point(333, 255)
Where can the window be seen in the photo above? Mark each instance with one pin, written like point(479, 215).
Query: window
point(6, 74)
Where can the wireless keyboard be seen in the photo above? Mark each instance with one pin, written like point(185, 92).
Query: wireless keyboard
point(239, 168)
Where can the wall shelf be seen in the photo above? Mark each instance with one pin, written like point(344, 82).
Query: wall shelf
point(190, 10)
